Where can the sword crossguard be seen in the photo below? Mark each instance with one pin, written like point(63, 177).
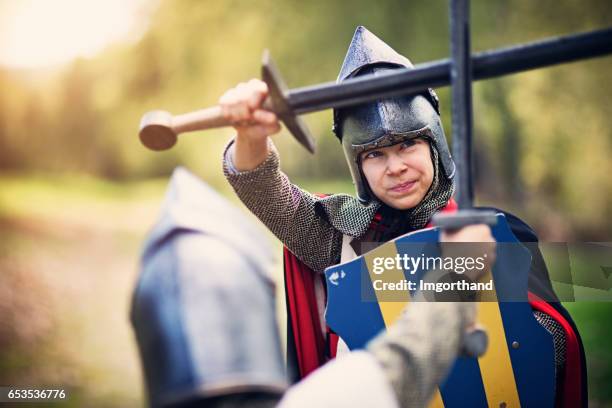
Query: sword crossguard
point(463, 218)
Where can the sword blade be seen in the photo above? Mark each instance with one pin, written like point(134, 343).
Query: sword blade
point(461, 81)
point(487, 64)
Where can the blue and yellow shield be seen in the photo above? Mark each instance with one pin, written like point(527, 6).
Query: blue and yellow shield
point(518, 367)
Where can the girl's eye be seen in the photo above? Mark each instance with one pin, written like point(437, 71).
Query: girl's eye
point(372, 154)
point(407, 144)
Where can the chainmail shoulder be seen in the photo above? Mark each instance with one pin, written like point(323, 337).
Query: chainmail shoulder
point(311, 227)
point(557, 333)
point(559, 341)
point(347, 214)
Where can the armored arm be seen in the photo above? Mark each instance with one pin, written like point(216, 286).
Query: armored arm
point(418, 349)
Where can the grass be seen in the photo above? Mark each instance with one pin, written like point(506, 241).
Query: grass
point(58, 195)
point(593, 321)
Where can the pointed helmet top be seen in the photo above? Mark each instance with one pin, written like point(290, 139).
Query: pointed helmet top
point(367, 49)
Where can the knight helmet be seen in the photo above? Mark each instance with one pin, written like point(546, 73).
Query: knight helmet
point(384, 122)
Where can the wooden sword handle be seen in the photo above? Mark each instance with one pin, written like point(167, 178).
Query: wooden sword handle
point(207, 118)
point(159, 129)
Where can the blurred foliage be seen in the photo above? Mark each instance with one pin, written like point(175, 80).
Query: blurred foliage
point(543, 138)
point(68, 259)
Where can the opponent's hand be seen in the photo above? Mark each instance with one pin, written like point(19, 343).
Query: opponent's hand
point(242, 107)
point(475, 241)
point(480, 243)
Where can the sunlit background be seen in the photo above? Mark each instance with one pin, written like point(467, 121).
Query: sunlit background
point(41, 34)
point(78, 191)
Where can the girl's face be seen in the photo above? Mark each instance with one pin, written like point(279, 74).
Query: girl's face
point(399, 175)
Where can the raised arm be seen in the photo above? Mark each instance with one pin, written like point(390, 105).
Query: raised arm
point(252, 166)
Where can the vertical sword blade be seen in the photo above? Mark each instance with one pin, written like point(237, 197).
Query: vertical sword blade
point(461, 82)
